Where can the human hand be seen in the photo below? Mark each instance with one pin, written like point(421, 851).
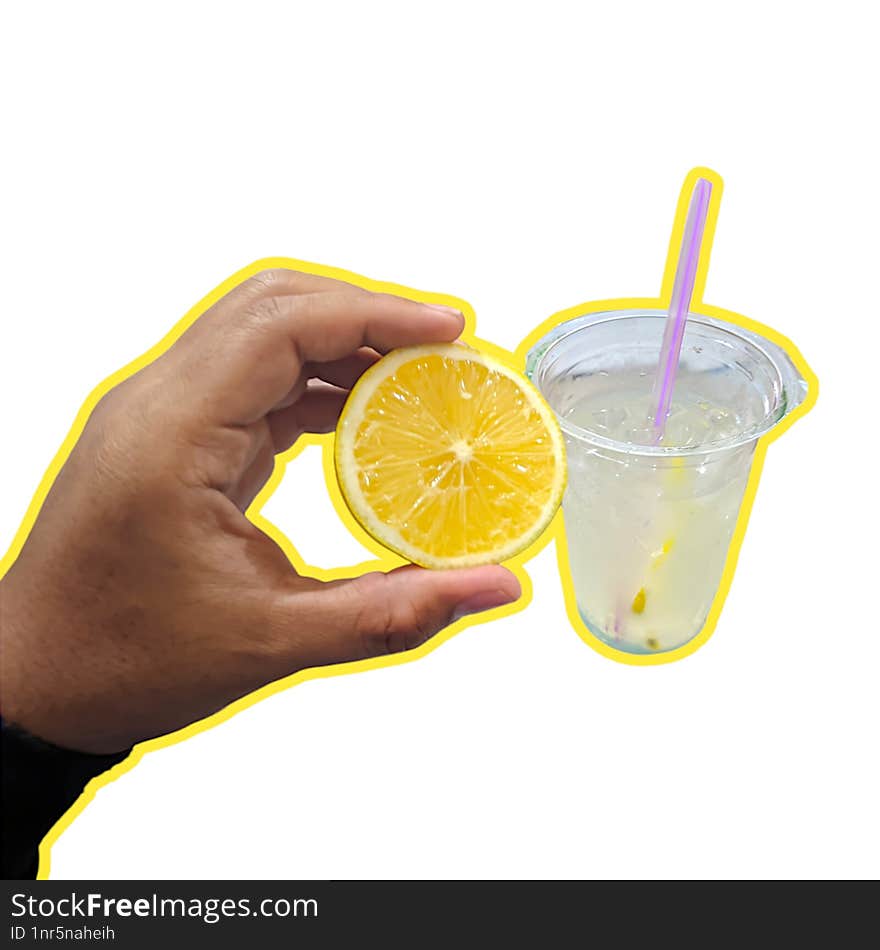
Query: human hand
point(144, 599)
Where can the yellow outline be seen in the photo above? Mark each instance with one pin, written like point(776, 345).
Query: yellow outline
point(385, 560)
point(697, 306)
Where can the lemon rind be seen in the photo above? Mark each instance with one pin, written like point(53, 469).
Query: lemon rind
point(347, 468)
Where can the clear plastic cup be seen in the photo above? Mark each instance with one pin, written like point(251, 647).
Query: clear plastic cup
point(648, 526)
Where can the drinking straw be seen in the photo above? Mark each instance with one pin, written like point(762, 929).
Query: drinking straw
point(682, 291)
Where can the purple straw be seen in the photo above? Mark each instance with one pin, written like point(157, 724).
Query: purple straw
point(682, 291)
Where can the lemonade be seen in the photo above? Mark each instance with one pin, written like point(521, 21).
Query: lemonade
point(648, 535)
point(649, 516)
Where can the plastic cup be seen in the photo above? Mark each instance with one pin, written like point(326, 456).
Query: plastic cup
point(648, 527)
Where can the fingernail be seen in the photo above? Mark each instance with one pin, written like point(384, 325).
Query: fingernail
point(449, 310)
point(485, 600)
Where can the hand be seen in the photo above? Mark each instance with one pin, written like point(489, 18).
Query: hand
point(143, 598)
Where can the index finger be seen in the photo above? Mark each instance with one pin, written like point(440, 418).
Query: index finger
point(248, 359)
point(280, 281)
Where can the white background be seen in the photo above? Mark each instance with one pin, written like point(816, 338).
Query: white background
point(526, 157)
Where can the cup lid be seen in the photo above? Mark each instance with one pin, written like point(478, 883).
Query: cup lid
point(793, 387)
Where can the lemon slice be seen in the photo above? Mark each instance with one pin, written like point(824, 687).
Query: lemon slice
point(449, 457)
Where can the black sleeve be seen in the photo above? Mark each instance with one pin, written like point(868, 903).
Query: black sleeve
point(40, 782)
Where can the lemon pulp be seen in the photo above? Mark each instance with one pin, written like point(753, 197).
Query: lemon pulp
point(449, 457)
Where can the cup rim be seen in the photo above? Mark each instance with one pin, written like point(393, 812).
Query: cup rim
point(578, 324)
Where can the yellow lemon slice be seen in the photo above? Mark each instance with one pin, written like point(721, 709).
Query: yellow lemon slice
point(449, 457)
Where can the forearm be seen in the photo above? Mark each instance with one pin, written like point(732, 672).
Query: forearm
point(40, 782)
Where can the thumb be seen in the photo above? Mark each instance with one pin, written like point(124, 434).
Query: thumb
point(378, 614)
